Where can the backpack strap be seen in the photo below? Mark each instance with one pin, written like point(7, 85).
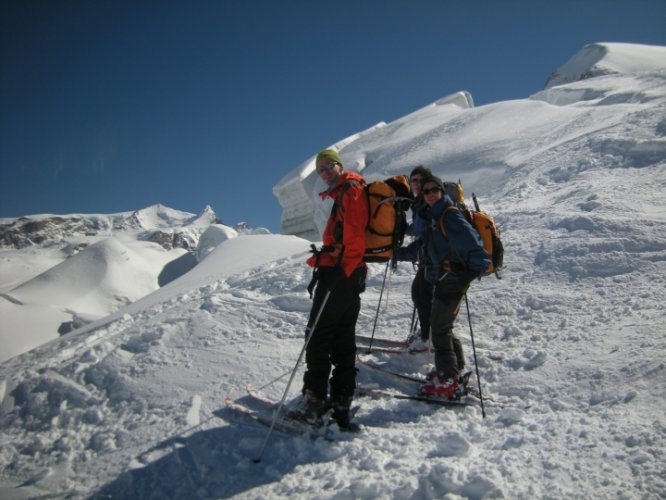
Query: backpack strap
point(337, 203)
point(338, 208)
point(337, 233)
point(440, 221)
point(446, 264)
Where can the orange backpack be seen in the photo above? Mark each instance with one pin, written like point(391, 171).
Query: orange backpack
point(482, 222)
point(388, 202)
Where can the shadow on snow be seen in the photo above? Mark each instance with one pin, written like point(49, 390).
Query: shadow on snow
point(215, 463)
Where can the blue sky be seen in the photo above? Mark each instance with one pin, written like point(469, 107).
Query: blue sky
point(110, 106)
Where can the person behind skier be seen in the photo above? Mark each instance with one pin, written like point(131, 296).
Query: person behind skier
point(451, 260)
point(340, 270)
point(421, 290)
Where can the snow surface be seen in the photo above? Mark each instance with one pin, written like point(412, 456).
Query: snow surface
point(570, 343)
point(88, 266)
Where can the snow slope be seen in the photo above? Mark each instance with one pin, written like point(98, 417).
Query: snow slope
point(570, 343)
point(598, 59)
point(489, 148)
point(62, 272)
point(395, 145)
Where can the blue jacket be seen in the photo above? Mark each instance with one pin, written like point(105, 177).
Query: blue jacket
point(413, 252)
point(461, 245)
point(414, 229)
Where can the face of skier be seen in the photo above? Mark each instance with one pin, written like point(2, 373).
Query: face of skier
point(415, 181)
point(328, 170)
point(432, 193)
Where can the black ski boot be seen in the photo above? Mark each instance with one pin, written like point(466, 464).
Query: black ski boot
point(342, 413)
point(310, 409)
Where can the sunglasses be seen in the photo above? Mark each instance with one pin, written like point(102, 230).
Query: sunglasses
point(328, 166)
point(415, 180)
point(431, 190)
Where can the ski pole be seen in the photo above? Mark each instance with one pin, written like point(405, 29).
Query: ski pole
point(293, 374)
point(476, 364)
point(379, 303)
point(274, 380)
point(412, 327)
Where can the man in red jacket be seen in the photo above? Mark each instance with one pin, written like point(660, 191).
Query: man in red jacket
point(340, 275)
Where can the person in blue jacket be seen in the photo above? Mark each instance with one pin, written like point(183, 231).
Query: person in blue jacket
point(421, 290)
point(453, 256)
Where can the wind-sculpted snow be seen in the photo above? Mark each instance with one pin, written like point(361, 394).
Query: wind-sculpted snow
point(211, 238)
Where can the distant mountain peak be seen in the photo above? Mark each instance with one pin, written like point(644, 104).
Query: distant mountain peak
point(164, 225)
point(598, 59)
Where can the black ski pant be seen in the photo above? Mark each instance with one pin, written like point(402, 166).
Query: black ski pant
point(449, 292)
point(333, 341)
point(422, 295)
point(422, 298)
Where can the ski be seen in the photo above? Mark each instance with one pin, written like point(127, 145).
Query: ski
point(421, 380)
point(327, 422)
point(263, 400)
point(263, 418)
point(282, 424)
point(384, 350)
point(380, 393)
point(381, 342)
point(383, 369)
point(405, 350)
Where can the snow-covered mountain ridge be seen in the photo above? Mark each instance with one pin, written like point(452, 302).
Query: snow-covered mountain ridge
point(569, 343)
point(166, 226)
point(600, 59)
point(60, 272)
